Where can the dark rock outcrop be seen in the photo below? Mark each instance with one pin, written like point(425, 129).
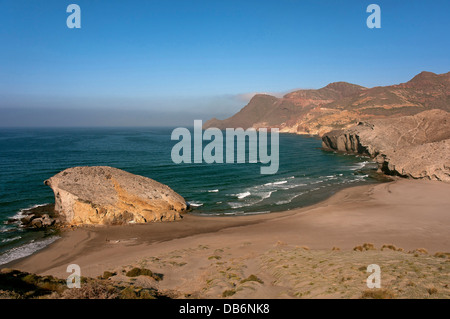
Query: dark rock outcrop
point(412, 146)
point(110, 196)
point(38, 217)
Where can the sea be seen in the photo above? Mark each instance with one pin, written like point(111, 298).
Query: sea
point(28, 156)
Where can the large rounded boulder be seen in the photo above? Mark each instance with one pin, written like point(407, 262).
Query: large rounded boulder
point(110, 196)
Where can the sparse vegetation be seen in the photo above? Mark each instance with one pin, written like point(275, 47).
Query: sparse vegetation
point(132, 292)
point(135, 272)
point(228, 293)
point(252, 278)
point(91, 290)
point(364, 247)
point(377, 294)
point(432, 290)
point(368, 246)
point(214, 257)
point(419, 251)
point(391, 247)
point(15, 284)
point(442, 255)
point(108, 274)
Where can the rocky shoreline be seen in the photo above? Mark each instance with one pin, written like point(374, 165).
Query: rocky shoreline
point(39, 217)
point(415, 146)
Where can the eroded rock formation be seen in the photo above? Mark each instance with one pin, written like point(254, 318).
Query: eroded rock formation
point(110, 196)
point(415, 146)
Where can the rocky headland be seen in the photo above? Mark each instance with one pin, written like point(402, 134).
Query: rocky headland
point(405, 127)
point(416, 146)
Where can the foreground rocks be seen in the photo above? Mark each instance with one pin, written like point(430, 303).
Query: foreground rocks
point(42, 216)
point(415, 146)
point(16, 284)
point(110, 196)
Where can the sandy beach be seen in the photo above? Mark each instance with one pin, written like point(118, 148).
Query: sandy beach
point(207, 256)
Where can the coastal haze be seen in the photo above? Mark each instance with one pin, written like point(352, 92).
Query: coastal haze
point(90, 97)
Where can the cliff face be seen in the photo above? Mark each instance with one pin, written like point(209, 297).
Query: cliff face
point(413, 146)
point(106, 195)
point(340, 105)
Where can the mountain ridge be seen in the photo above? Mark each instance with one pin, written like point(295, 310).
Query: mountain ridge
point(340, 105)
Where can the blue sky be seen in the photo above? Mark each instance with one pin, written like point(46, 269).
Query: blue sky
point(167, 62)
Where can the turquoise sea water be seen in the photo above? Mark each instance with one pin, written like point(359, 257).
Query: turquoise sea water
point(306, 174)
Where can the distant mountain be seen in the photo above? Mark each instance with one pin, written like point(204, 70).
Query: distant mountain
point(340, 105)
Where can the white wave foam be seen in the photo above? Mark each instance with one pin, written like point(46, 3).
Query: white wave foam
point(358, 165)
point(276, 183)
point(4, 229)
point(195, 204)
point(266, 194)
point(257, 213)
point(213, 191)
point(26, 250)
point(287, 201)
point(21, 213)
point(293, 186)
point(228, 214)
point(235, 205)
point(7, 240)
point(243, 195)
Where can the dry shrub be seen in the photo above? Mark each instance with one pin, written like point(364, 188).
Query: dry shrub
point(432, 290)
point(132, 292)
point(368, 246)
point(135, 272)
point(419, 251)
point(108, 274)
point(391, 247)
point(252, 278)
point(442, 255)
point(378, 294)
point(228, 293)
point(92, 290)
point(365, 247)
